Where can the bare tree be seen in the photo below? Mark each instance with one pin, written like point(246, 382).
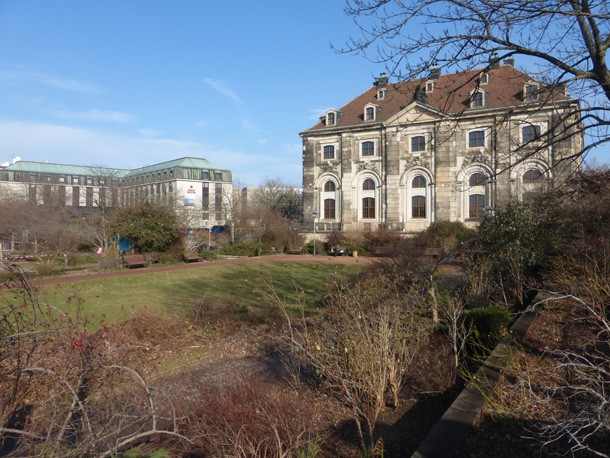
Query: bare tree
point(280, 197)
point(564, 41)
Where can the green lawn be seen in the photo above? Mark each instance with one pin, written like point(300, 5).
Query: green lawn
point(117, 298)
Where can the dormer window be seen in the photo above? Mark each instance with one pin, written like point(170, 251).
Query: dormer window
point(331, 118)
point(370, 112)
point(477, 99)
point(531, 91)
point(484, 78)
point(381, 94)
point(429, 86)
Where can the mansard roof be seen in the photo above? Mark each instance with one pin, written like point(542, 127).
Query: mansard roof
point(184, 162)
point(451, 95)
point(64, 169)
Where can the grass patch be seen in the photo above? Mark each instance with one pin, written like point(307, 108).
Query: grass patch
point(115, 299)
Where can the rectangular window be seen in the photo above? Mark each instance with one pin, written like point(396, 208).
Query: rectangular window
point(205, 175)
point(329, 152)
point(75, 180)
point(418, 207)
point(89, 197)
point(368, 208)
point(369, 113)
point(478, 99)
point(61, 195)
point(330, 119)
point(476, 206)
point(62, 179)
point(75, 195)
point(476, 138)
point(217, 176)
point(32, 177)
point(530, 133)
point(368, 148)
point(531, 92)
point(115, 197)
point(218, 199)
point(329, 208)
point(205, 197)
point(418, 143)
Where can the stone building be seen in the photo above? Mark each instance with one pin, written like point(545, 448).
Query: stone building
point(449, 147)
point(193, 186)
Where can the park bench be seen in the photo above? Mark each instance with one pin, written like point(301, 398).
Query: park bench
point(295, 249)
point(134, 260)
point(191, 257)
point(434, 253)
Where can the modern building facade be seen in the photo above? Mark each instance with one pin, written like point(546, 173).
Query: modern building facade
point(449, 147)
point(191, 185)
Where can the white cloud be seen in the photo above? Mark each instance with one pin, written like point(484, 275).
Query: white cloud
point(96, 115)
point(57, 82)
point(223, 89)
point(73, 145)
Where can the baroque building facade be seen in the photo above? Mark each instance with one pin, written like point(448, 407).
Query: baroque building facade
point(194, 187)
point(446, 148)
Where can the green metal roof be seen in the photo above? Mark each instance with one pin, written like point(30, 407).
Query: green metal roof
point(185, 162)
point(63, 169)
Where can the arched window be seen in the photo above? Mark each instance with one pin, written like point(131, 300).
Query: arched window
point(418, 207)
point(368, 185)
point(476, 205)
point(329, 186)
point(368, 208)
point(329, 152)
point(477, 179)
point(329, 208)
point(532, 176)
point(368, 148)
point(418, 182)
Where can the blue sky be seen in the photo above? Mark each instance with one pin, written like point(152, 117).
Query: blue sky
point(130, 83)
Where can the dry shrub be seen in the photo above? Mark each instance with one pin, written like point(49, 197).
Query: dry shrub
point(214, 312)
point(153, 328)
point(360, 346)
point(252, 420)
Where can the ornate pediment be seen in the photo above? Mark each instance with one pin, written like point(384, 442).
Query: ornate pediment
point(362, 165)
point(417, 161)
point(329, 168)
point(475, 159)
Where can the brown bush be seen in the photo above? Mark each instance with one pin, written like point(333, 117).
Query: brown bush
point(252, 420)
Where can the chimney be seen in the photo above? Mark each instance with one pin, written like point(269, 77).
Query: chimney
point(509, 61)
point(435, 72)
point(381, 81)
point(494, 61)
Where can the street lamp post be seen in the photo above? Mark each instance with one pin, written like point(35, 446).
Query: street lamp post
point(315, 215)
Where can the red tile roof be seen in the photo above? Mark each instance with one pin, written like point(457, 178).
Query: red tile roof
point(451, 94)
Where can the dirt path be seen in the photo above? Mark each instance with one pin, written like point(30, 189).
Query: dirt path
point(306, 258)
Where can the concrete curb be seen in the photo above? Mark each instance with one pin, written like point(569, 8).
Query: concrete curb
point(449, 434)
